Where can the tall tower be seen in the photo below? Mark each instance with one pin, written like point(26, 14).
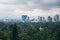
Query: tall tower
point(49, 19)
point(41, 19)
point(24, 18)
point(56, 18)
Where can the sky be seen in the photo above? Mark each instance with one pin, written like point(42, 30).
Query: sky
point(15, 8)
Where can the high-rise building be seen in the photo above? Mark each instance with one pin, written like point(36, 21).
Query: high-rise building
point(41, 19)
point(56, 18)
point(49, 19)
point(44, 19)
point(28, 19)
point(24, 17)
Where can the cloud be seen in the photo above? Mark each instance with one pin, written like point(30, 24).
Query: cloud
point(6, 8)
point(13, 1)
point(39, 12)
point(32, 4)
point(16, 8)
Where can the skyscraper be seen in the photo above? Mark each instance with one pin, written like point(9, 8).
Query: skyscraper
point(24, 17)
point(28, 19)
point(56, 18)
point(49, 19)
point(41, 19)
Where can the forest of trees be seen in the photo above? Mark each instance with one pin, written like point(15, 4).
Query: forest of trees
point(29, 31)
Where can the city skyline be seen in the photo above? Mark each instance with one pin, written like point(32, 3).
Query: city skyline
point(26, 18)
point(15, 8)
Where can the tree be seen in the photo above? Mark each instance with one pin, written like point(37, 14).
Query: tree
point(24, 36)
point(14, 34)
point(3, 35)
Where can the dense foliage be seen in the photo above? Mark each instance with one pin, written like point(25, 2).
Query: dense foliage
point(30, 31)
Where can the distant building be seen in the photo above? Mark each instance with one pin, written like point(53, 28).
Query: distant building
point(44, 19)
point(34, 20)
point(49, 19)
point(41, 19)
point(28, 19)
point(56, 18)
point(25, 18)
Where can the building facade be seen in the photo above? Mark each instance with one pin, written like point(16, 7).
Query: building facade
point(24, 17)
point(56, 18)
point(41, 19)
point(49, 19)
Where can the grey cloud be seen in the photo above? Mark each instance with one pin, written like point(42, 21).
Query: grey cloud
point(13, 1)
point(51, 4)
point(39, 4)
point(7, 7)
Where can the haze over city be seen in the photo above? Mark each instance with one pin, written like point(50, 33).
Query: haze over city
point(13, 9)
point(29, 19)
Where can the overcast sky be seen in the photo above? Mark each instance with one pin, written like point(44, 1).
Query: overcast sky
point(16, 8)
